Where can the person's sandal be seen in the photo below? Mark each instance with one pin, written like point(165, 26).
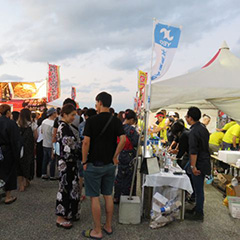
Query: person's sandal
point(87, 234)
point(65, 225)
point(108, 233)
point(13, 199)
point(104, 230)
point(73, 219)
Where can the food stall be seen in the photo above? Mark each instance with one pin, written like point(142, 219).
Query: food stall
point(24, 94)
point(215, 87)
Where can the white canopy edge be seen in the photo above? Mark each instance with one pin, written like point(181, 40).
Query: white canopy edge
point(215, 87)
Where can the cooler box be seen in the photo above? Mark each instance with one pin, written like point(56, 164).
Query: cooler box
point(229, 157)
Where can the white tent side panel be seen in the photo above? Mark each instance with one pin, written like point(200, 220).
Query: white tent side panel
point(229, 106)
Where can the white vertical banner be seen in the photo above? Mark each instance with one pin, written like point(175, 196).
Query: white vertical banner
point(164, 44)
point(166, 39)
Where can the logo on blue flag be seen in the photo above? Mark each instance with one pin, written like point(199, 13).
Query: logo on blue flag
point(167, 36)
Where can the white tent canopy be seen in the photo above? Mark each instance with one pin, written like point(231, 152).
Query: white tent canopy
point(216, 85)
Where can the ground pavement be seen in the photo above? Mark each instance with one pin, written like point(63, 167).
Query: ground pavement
point(32, 217)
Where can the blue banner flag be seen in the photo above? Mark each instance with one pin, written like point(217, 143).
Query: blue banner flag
point(166, 39)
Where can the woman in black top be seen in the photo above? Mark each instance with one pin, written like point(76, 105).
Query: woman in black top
point(181, 137)
point(10, 145)
point(24, 170)
point(170, 136)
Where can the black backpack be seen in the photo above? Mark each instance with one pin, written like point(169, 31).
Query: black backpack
point(26, 140)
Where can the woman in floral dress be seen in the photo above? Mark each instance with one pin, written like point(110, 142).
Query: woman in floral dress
point(66, 149)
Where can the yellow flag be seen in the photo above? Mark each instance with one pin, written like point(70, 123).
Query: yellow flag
point(142, 79)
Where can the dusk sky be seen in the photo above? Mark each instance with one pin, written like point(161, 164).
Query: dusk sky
point(99, 45)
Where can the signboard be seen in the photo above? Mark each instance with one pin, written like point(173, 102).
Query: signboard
point(22, 90)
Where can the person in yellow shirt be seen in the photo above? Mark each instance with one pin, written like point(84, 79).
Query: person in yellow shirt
point(227, 126)
point(215, 141)
point(231, 138)
point(161, 128)
point(163, 132)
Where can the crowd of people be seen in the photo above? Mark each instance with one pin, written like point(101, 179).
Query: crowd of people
point(86, 146)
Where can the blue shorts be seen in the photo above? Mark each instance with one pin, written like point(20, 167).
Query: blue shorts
point(99, 180)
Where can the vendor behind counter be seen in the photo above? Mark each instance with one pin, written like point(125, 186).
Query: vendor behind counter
point(215, 141)
point(227, 126)
point(231, 138)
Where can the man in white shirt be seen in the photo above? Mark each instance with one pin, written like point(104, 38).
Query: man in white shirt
point(47, 132)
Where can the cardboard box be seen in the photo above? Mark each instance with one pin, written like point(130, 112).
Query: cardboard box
point(224, 179)
point(222, 186)
point(237, 190)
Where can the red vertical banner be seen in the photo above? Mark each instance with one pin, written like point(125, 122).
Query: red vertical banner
point(74, 93)
point(53, 83)
point(136, 103)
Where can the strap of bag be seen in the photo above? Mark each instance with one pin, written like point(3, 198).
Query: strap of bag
point(76, 128)
point(105, 127)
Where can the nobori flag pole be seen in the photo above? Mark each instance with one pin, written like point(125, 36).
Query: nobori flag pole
point(147, 108)
point(165, 42)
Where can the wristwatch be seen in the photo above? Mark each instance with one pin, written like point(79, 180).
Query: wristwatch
point(192, 167)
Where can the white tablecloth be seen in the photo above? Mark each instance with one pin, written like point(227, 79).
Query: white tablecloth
point(169, 179)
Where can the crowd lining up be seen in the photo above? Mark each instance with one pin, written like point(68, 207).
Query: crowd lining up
point(87, 145)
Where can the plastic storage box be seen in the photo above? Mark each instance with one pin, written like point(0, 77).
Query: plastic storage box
point(229, 157)
point(234, 206)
